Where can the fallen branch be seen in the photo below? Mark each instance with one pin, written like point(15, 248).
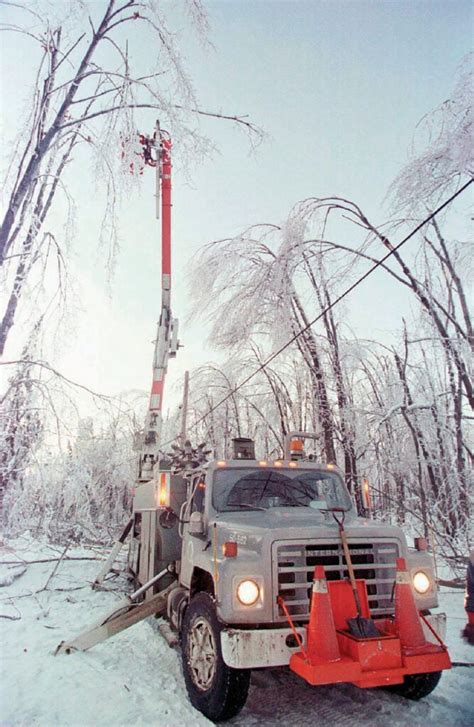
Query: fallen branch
point(452, 584)
point(52, 574)
point(41, 590)
point(45, 560)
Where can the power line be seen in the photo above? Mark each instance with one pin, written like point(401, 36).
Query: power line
point(348, 290)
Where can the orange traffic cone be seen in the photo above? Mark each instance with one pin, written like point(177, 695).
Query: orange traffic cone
point(321, 639)
point(407, 619)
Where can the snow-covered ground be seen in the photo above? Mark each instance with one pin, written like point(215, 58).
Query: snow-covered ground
point(135, 678)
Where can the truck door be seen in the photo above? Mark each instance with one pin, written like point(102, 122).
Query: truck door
point(191, 543)
point(147, 544)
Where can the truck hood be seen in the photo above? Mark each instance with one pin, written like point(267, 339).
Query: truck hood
point(289, 523)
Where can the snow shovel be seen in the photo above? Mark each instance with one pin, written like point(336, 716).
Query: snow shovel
point(362, 628)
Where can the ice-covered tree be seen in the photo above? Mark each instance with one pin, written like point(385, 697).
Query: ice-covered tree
point(89, 83)
point(401, 414)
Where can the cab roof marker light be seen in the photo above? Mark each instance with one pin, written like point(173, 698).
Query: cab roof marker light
point(263, 463)
point(292, 464)
point(330, 466)
point(221, 463)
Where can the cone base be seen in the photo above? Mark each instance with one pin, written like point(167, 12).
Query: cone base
point(321, 649)
point(325, 672)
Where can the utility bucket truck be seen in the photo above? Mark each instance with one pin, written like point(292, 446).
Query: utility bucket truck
point(257, 563)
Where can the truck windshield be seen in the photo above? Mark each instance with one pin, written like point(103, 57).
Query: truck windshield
point(258, 489)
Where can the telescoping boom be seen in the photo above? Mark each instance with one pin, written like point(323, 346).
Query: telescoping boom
point(157, 153)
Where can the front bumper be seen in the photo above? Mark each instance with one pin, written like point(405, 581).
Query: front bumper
point(257, 648)
point(437, 622)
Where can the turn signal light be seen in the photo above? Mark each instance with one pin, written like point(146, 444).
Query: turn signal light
point(229, 549)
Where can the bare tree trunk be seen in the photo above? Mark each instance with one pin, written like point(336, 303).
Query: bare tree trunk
point(446, 260)
point(445, 338)
point(44, 143)
point(308, 341)
point(464, 500)
point(347, 433)
point(421, 450)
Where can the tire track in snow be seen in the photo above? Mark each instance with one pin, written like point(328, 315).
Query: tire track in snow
point(279, 697)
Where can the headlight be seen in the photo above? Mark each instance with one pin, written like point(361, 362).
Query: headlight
point(248, 592)
point(421, 582)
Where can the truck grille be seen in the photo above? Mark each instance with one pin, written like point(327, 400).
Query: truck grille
point(294, 564)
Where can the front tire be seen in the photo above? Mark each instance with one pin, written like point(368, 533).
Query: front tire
point(417, 686)
point(215, 689)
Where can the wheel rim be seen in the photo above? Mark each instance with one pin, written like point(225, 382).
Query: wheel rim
point(202, 653)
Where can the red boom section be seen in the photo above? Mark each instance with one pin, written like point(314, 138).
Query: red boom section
point(157, 154)
point(166, 211)
point(164, 328)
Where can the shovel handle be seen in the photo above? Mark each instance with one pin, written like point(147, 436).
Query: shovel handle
point(350, 568)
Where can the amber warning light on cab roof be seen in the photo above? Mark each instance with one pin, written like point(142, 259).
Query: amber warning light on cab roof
point(296, 449)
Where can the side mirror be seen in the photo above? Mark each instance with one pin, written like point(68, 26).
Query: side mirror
point(196, 523)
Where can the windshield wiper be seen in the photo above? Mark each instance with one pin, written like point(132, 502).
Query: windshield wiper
point(336, 508)
point(250, 506)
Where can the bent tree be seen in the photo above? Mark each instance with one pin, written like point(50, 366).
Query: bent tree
point(90, 82)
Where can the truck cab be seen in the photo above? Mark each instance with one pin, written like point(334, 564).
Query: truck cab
point(243, 537)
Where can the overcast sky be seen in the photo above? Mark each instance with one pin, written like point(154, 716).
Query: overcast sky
point(338, 88)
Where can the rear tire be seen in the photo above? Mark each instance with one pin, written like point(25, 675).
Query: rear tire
point(215, 689)
point(416, 686)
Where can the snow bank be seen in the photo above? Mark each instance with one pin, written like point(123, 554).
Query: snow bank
point(135, 678)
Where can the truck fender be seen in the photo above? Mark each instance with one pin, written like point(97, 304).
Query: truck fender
point(177, 603)
point(201, 581)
